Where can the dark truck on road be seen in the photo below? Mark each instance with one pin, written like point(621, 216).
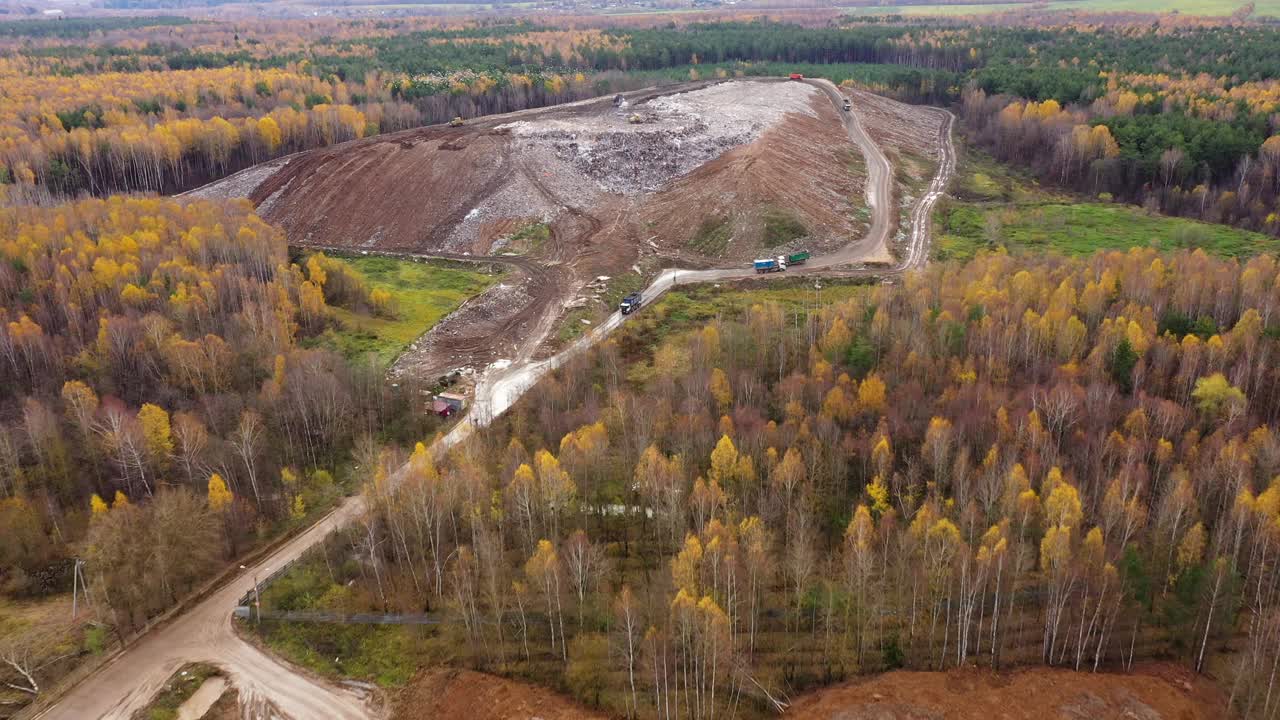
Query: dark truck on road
point(630, 303)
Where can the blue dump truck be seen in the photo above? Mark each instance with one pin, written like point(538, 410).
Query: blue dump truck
point(630, 303)
point(771, 264)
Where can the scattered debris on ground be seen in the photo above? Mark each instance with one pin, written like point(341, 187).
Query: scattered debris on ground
point(666, 137)
point(239, 185)
point(473, 336)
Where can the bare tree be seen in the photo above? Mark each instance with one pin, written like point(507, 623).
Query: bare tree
point(628, 628)
point(245, 439)
point(585, 562)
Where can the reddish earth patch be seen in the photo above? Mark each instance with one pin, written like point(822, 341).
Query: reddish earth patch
point(403, 191)
point(1153, 692)
point(443, 693)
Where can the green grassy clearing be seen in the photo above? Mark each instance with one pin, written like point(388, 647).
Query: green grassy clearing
point(692, 306)
point(384, 654)
point(1086, 227)
point(995, 206)
point(423, 293)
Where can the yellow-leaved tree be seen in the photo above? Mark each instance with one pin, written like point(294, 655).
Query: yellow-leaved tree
point(219, 496)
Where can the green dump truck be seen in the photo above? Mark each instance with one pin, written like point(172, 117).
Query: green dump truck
point(798, 258)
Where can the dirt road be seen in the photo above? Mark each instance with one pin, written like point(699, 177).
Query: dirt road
point(269, 688)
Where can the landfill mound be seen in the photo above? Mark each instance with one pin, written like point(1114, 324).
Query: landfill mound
point(573, 192)
point(640, 148)
point(468, 189)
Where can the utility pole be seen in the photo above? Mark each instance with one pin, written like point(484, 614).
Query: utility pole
point(77, 581)
point(257, 595)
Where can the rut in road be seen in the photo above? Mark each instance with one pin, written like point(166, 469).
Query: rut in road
point(270, 688)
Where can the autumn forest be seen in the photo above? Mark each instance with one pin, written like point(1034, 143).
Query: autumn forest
point(1021, 458)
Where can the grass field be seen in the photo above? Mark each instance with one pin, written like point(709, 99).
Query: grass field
point(1082, 228)
point(423, 294)
point(996, 206)
point(690, 307)
point(1185, 7)
point(46, 629)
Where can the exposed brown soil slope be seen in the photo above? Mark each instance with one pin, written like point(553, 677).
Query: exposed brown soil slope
point(443, 693)
point(401, 191)
point(802, 169)
point(1153, 692)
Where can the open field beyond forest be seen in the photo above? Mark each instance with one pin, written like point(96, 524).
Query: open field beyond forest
point(994, 206)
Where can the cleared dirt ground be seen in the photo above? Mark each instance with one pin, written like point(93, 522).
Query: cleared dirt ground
point(444, 693)
point(1158, 691)
point(1152, 692)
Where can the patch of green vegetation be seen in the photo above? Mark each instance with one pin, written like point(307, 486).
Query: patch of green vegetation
point(422, 294)
point(388, 655)
point(854, 162)
point(692, 306)
point(528, 239)
point(913, 171)
point(1083, 228)
point(984, 186)
point(177, 690)
point(997, 207)
point(621, 286)
point(572, 326)
point(322, 581)
point(781, 227)
point(980, 178)
point(306, 586)
point(712, 237)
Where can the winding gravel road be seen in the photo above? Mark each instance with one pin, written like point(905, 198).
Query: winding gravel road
point(268, 687)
